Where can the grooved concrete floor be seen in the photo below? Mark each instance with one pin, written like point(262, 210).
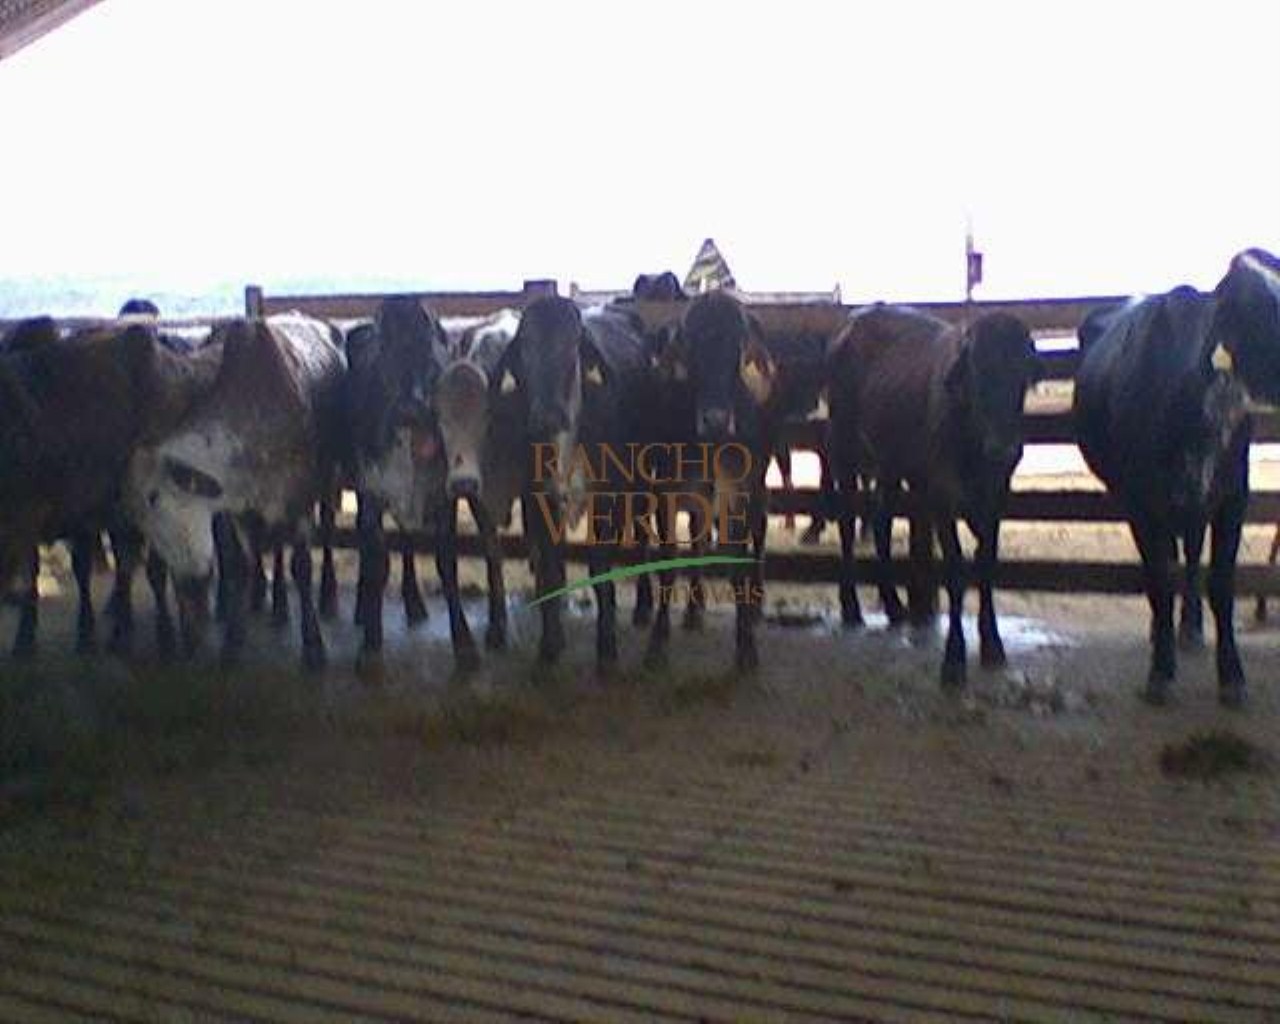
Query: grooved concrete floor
point(833, 840)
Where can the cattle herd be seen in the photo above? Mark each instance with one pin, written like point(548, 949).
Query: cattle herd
point(202, 461)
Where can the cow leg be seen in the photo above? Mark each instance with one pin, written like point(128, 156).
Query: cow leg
point(642, 614)
point(279, 588)
point(758, 517)
point(465, 655)
point(953, 661)
point(363, 505)
point(660, 635)
point(746, 612)
point(260, 584)
point(328, 571)
point(1260, 610)
point(235, 572)
point(192, 598)
point(1155, 545)
point(850, 609)
point(696, 606)
point(158, 580)
point(1233, 691)
point(599, 561)
point(986, 558)
point(882, 519)
point(313, 657)
point(126, 545)
point(82, 553)
point(415, 608)
point(495, 636)
point(783, 457)
point(1191, 624)
point(922, 591)
point(375, 567)
point(828, 501)
point(548, 575)
point(222, 594)
point(24, 641)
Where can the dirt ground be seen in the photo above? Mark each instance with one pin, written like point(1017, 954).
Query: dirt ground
point(830, 839)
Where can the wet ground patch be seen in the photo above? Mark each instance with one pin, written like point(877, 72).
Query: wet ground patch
point(1213, 754)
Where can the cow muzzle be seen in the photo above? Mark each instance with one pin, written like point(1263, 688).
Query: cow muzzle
point(715, 424)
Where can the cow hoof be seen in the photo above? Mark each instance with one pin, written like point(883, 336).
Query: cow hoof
point(1191, 638)
point(1158, 691)
point(655, 658)
point(466, 659)
point(495, 638)
point(280, 618)
point(851, 618)
point(313, 658)
point(896, 614)
point(415, 612)
point(370, 668)
point(993, 656)
point(1260, 610)
point(120, 645)
point(953, 675)
point(1233, 694)
point(693, 620)
point(747, 659)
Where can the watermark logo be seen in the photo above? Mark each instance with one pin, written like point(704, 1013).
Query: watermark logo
point(623, 492)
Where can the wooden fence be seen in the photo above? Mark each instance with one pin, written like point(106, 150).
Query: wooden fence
point(1045, 317)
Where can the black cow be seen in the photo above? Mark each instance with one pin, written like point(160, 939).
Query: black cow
point(393, 449)
point(1161, 414)
point(719, 381)
point(587, 383)
point(914, 400)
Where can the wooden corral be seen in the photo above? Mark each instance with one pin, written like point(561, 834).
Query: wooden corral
point(1044, 425)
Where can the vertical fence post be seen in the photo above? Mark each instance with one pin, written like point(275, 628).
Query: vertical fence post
point(253, 301)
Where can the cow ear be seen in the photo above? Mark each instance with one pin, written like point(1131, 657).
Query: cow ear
point(503, 379)
point(595, 374)
point(671, 356)
point(757, 370)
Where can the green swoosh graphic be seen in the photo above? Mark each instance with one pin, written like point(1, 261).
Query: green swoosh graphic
point(627, 571)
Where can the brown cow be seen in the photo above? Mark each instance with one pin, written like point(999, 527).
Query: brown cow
point(914, 400)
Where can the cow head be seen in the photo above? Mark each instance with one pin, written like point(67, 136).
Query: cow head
point(140, 308)
point(467, 396)
point(719, 350)
point(394, 363)
point(462, 408)
point(664, 287)
point(546, 361)
point(411, 346)
point(987, 383)
point(1246, 325)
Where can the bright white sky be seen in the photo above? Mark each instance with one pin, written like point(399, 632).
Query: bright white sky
point(1100, 147)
